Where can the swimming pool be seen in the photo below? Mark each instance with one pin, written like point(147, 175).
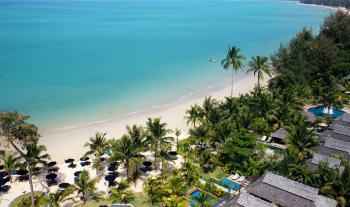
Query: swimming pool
point(233, 185)
point(196, 194)
point(318, 111)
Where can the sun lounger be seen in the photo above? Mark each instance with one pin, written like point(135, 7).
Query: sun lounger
point(263, 138)
point(234, 177)
point(241, 179)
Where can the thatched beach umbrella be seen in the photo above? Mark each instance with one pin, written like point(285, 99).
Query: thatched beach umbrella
point(51, 176)
point(2, 167)
point(69, 160)
point(21, 172)
point(53, 169)
point(84, 159)
point(147, 163)
point(51, 164)
point(110, 177)
point(172, 153)
point(77, 173)
point(64, 185)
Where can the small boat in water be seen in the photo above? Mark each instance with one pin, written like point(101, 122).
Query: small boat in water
point(212, 60)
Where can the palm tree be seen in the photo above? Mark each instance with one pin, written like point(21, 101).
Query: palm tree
point(175, 185)
point(235, 59)
point(194, 114)
point(175, 201)
point(177, 134)
point(258, 65)
point(200, 134)
point(339, 187)
point(125, 150)
point(121, 193)
point(189, 171)
point(10, 162)
point(203, 200)
point(97, 144)
point(36, 155)
point(85, 187)
point(301, 137)
point(157, 136)
point(20, 135)
point(59, 196)
point(153, 189)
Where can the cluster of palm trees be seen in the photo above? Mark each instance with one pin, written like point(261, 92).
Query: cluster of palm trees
point(258, 65)
point(154, 137)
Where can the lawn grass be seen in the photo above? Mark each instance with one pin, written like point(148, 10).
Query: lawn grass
point(140, 200)
point(217, 173)
point(19, 199)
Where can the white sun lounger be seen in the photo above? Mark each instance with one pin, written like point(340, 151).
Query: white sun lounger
point(234, 177)
point(263, 138)
point(241, 179)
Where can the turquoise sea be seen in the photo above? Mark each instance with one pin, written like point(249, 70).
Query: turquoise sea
point(69, 62)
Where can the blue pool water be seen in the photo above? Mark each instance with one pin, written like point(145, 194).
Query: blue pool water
point(196, 194)
point(318, 111)
point(233, 185)
point(73, 62)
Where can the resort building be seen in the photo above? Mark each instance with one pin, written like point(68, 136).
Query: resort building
point(332, 162)
point(310, 117)
point(274, 190)
point(335, 141)
point(278, 138)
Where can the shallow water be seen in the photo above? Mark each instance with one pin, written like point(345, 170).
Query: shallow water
point(71, 62)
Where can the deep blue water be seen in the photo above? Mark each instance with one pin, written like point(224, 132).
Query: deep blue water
point(318, 111)
point(233, 185)
point(68, 62)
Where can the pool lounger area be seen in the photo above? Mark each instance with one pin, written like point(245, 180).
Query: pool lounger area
point(230, 183)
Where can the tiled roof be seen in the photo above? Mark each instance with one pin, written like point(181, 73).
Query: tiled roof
point(338, 145)
point(247, 200)
point(345, 117)
point(343, 130)
point(288, 193)
point(330, 151)
point(290, 186)
point(280, 133)
point(310, 116)
point(332, 162)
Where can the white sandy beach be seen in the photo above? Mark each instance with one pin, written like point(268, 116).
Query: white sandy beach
point(70, 142)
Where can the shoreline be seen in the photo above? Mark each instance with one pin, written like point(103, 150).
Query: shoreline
point(70, 142)
point(334, 8)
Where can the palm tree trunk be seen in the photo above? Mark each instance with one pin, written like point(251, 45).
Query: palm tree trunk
point(30, 177)
point(258, 81)
point(29, 171)
point(232, 83)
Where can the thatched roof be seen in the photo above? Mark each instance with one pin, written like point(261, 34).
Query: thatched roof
point(286, 192)
point(247, 200)
point(280, 133)
point(310, 117)
point(338, 145)
point(343, 130)
point(333, 163)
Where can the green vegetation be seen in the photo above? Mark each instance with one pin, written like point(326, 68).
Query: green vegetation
point(342, 3)
point(224, 135)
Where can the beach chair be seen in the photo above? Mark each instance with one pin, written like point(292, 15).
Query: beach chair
point(234, 177)
point(241, 179)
